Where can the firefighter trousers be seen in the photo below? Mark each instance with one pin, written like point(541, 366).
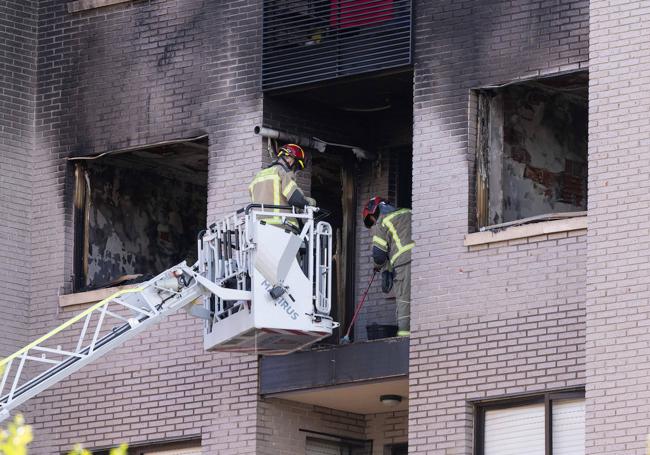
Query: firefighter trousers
point(402, 289)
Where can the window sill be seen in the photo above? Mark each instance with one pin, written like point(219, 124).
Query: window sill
point(83, 5)
point(540, 230)
point(82, 298)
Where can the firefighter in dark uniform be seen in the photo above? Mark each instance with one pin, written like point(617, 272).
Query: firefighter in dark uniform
point(276, 184)
point(391, 250)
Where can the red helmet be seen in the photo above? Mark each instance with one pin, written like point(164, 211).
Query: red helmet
point(371, 209)
point(294, 151)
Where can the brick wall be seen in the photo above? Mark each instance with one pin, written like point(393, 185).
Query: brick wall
point(133, 74)
point(284, 426)
point(617, 271)
point(281, 422)
point(509, 318)
point(18, 69)
point(387, 428)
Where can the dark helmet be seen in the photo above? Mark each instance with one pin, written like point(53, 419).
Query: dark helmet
point(372, 208)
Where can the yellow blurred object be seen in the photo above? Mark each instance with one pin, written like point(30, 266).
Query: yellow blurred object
point(14, 440)
point(121, 450)
point(79, 450)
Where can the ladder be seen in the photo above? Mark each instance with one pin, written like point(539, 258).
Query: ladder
point(241, 259)
point(44, 362)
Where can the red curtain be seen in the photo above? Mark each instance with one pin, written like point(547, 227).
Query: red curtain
point(358, 13)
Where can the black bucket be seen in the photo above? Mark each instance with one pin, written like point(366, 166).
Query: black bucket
point(378, 331)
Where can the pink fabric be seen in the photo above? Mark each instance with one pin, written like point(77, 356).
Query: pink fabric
point(357, 13)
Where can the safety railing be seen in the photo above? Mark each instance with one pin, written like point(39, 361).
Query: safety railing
point(226, 255)
point(307, 41)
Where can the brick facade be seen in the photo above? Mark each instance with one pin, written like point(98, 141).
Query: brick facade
point(516, 317)
point(18, 69)
point(131, 74)
point(617, 270)
point(284, 426)
point(508, 318)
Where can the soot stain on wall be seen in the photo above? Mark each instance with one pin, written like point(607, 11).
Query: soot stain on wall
point(140, 222)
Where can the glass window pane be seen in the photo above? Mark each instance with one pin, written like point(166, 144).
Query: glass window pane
point(569, 427)
point(514, 431)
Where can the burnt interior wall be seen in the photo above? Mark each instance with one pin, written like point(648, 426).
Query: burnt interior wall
point(375, 114)
point(537, 150)
point(141, 221)
point(298, 114)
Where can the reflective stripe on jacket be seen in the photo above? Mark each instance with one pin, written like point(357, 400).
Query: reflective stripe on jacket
point(273, 186)
point(392, 234)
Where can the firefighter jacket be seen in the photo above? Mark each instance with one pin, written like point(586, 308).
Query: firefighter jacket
point(391, 238)
point(276, 185)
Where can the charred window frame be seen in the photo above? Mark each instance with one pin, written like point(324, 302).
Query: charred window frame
point(152, 201)
point(530, 151)
point(547, 399)
point(81, 211)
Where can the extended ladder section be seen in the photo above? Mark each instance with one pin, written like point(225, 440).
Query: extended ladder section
point(262, 284)
point(91, 334)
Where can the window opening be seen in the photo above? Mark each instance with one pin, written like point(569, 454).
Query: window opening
point(396, 449)
point(549, 424)
point(138, 212)
point(373, 113)
point(324, 444)
point(531, 149)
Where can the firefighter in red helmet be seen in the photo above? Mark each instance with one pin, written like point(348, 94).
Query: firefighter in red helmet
point(391, 250)
point(276, 184)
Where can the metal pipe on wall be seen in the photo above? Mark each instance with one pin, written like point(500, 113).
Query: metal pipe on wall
point(311, 142)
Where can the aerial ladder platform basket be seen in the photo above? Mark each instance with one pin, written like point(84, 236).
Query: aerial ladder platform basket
point(261, 285)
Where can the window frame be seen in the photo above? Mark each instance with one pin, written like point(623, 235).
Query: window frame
point(480, 407)
point(160, 445)
point(317, 435)
point(478, 223)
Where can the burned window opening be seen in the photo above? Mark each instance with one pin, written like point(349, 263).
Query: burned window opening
point(374, 113)
point(138, 213)
point(531, 150)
